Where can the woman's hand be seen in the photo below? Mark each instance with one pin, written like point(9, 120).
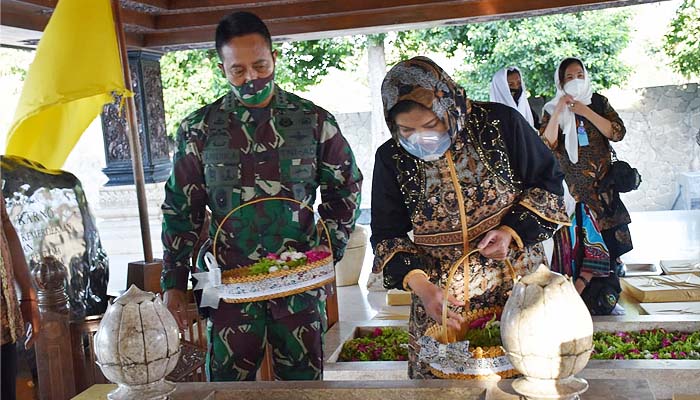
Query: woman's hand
point(564, 102)
point(495, 244)
point(551, 132)
point(432, 297)
point(579, 108)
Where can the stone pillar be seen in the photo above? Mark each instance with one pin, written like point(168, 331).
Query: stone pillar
point(54, 358)
point(150, 113)
point(377, 71)
point(379, 131)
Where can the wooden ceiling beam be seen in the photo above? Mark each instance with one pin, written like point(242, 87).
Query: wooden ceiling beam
point(302, 19)
point(41, 3)
point(162, 4)
point(190, 5)
point(307, 10)
point(398, 19)
point(18, 16)
point(130, 17)
point(138, 19)
point(134, 40)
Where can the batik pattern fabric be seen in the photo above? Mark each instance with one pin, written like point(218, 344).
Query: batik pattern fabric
point(10, 314)
point(506, 178)
point(593, 163)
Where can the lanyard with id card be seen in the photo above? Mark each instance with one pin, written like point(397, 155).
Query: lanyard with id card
point(581, 133)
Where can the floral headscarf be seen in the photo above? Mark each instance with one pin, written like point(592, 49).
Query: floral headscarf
point(424, 82)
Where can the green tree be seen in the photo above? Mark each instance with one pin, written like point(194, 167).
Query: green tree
point(301, 65)
point(536, 45)
point(192, 78)
point(682, 42)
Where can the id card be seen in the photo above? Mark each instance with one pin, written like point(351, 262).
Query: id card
point(582, 135)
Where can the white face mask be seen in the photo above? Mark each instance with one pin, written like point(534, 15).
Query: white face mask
point(427, 145)
point(575, 88)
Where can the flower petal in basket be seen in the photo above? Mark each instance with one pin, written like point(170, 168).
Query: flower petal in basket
point(238, 286)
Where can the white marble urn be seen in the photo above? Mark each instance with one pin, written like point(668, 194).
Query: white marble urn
point(137, 345)
point(547, 333)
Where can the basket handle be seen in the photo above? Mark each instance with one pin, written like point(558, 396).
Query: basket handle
point(221, 224)
point(448, 284)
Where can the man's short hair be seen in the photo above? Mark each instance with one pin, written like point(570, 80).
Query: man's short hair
point(240, 24)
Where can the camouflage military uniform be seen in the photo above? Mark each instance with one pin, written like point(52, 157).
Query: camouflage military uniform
point(228, 155)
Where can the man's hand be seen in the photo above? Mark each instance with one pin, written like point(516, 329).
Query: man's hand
point(176, 301)
point(495, 244)
point(30, 314)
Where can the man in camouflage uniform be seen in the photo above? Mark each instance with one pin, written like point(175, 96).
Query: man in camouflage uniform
point(255, 142)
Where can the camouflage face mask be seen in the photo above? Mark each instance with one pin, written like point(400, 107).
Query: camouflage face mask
point(256, 91)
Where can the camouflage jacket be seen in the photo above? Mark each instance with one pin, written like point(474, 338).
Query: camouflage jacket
point(226, 158)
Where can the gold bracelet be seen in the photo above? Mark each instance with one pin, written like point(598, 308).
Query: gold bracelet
point(410, 274)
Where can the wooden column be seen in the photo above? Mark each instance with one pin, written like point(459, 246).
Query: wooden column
point(145, 274)
point(53, 347)
point(133, 135)
point(332, 304)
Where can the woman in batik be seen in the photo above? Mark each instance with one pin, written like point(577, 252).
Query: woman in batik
point(460, 175)
point(578, 125)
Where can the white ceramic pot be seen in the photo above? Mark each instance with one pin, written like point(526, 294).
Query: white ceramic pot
point(347, 271)
point(547, 332)
point(137, 345)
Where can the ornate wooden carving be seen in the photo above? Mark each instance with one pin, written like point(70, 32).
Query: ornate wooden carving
point(193, 349)
point(150, 114)
point(53, 347)
point(86, 371)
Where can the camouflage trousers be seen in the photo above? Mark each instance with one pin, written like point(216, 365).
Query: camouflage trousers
point(293, 326)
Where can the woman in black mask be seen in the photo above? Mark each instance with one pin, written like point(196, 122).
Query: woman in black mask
point(507, 87)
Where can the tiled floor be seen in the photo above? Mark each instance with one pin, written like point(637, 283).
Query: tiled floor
point(356, 303)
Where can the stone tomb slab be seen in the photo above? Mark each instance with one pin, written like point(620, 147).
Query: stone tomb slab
point(665, 377)
point(600, 389)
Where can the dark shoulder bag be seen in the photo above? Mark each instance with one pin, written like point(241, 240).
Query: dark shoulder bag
point(621, 177)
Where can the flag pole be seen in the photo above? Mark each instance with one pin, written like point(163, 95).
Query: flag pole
point(133, 137)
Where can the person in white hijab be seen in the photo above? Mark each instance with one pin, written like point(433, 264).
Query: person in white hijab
point(574, 89)
point(508, 87)
point(578, 125)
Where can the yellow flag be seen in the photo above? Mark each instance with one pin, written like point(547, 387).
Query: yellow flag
point(75, 71)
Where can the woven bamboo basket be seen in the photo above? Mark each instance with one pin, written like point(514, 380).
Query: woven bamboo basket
point(239, 286)
point(485, 363)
